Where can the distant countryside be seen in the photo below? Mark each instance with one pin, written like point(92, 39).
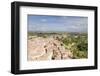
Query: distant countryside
point(76, 43)
point(57, 38)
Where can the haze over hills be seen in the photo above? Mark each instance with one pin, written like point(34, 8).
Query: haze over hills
point(56, 32)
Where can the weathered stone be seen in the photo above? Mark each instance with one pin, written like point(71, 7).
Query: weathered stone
point(47, 49)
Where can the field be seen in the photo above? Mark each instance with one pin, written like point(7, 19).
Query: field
point(57, 45)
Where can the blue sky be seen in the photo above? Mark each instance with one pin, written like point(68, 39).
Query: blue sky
point(57, 23)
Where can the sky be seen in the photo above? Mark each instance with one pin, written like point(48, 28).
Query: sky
point(48, 23)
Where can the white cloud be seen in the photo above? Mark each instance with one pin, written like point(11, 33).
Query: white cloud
point(43, 20)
